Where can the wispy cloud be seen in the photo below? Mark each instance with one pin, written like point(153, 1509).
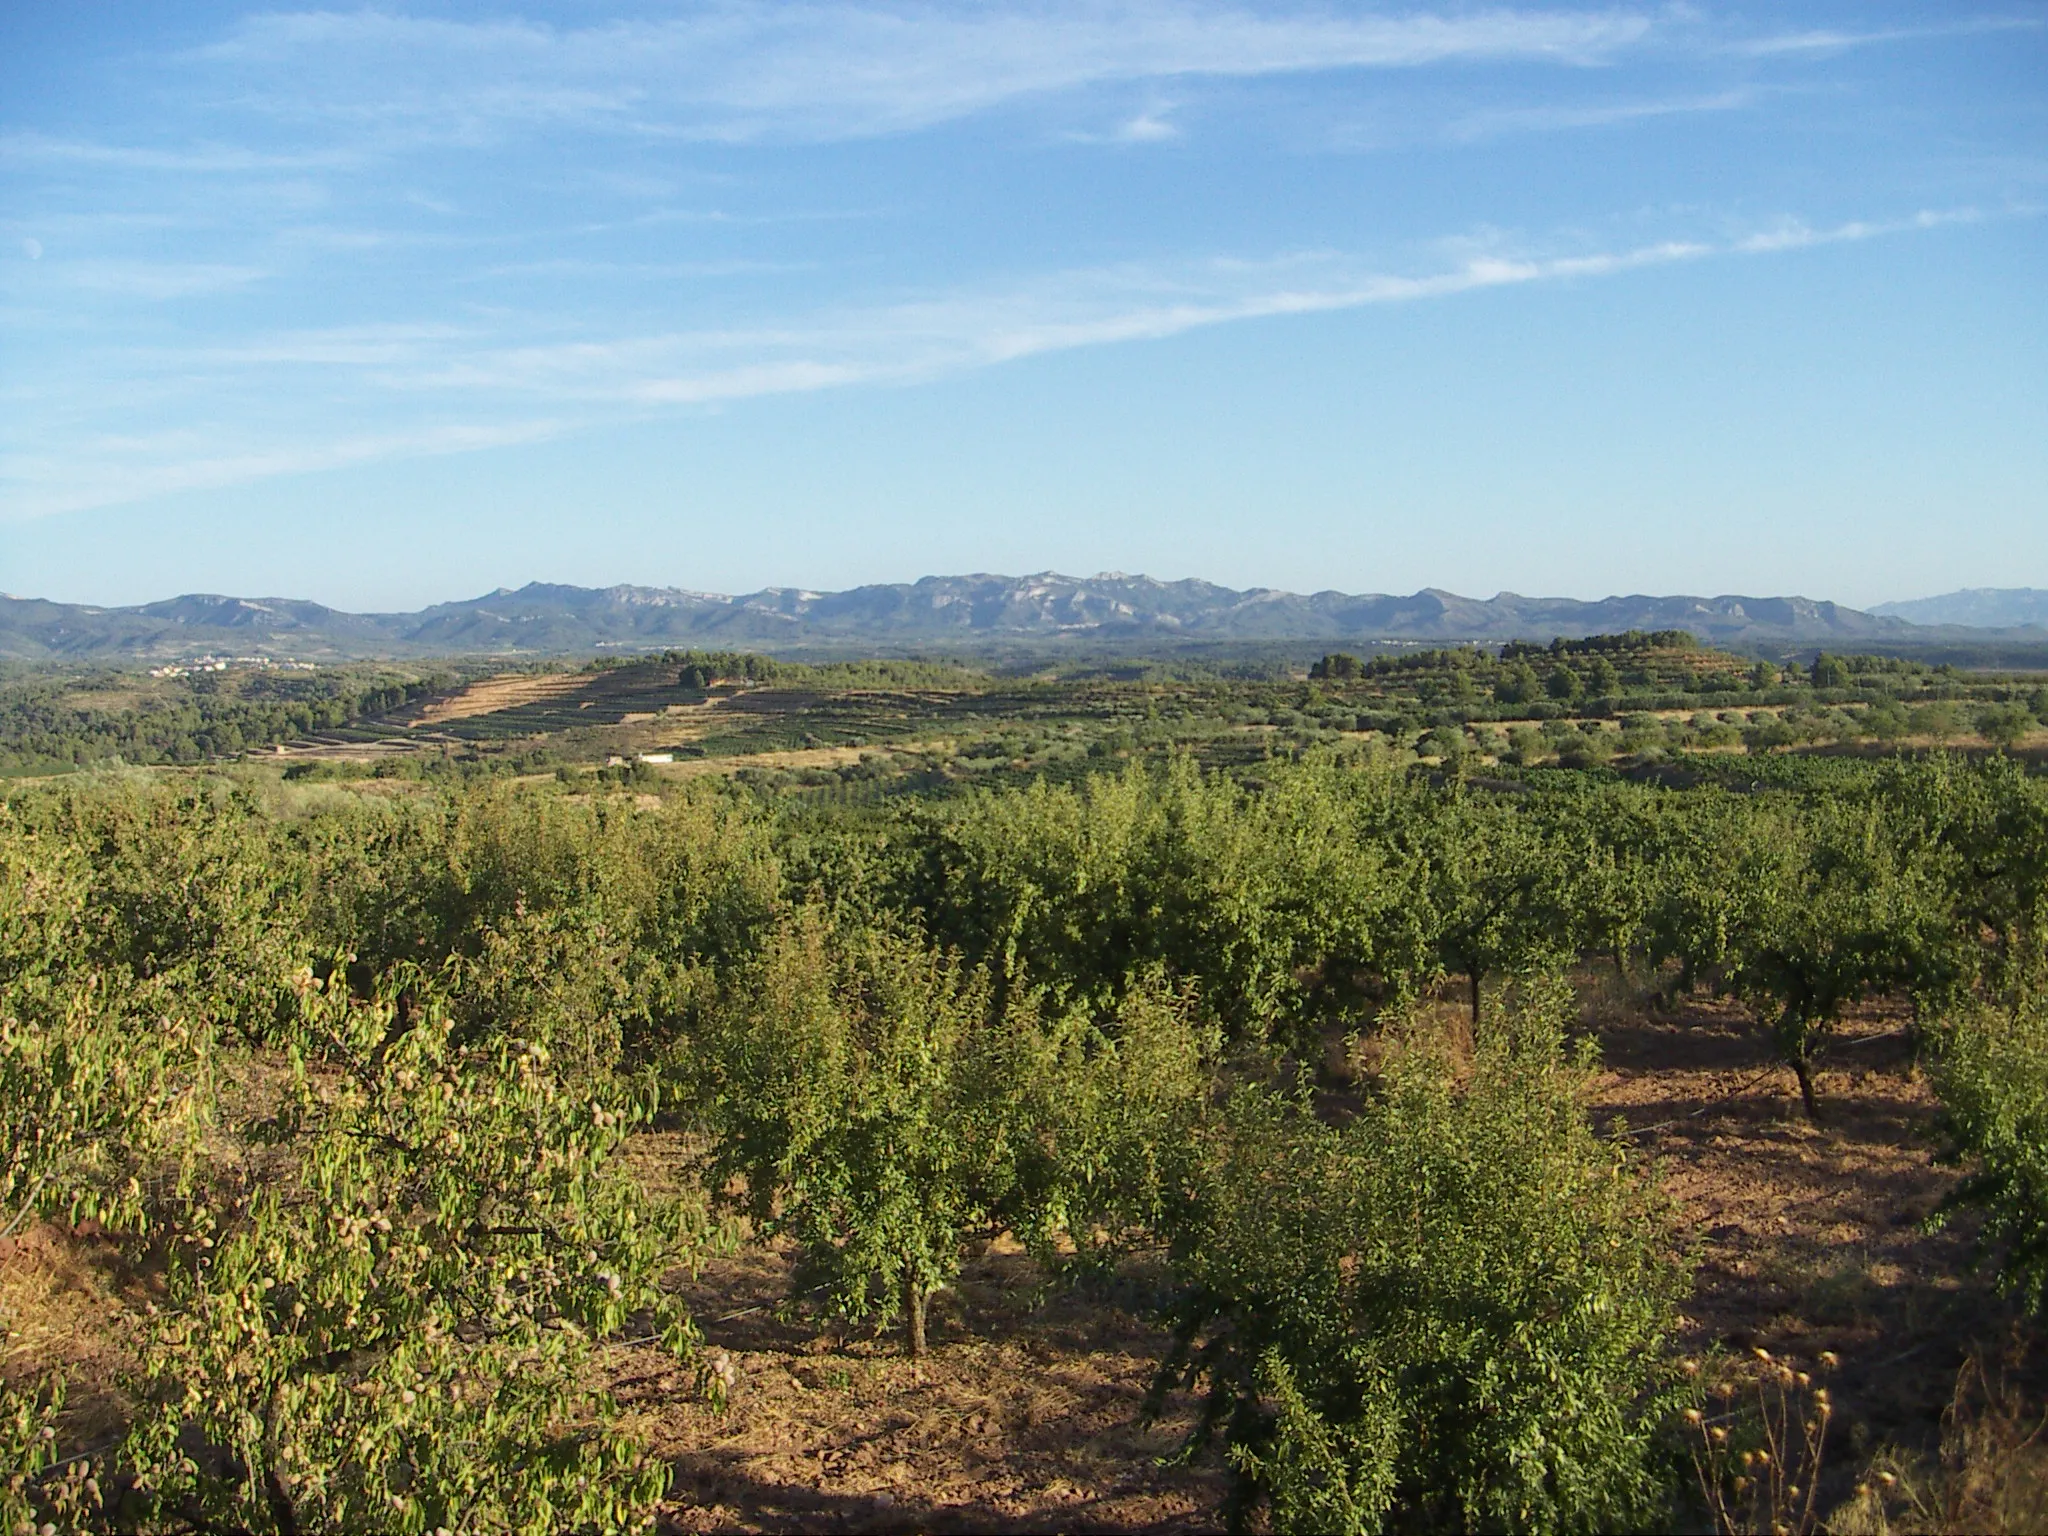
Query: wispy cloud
point(132, 469)
point(1824, 40)
point(476, 390)
point(1796, 235)
point(808, 71)
point(638, 271)
point(150, 281)
point(1148, 127)
point(1154, 125)
point(1478, 126)
point(348, 346)
point(929, 338)
point(199, 159)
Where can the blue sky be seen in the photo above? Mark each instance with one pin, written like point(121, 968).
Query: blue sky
point(387, 306)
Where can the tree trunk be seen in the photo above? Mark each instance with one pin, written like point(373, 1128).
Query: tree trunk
point(1802, 1068)
point(1475, 1000)
point(914, 1297)
point(1794, 1039)
point(283, 1514)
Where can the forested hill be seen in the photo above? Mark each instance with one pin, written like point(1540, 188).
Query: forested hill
point(541, 618)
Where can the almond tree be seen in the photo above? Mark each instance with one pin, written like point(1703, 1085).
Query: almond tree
point(871, 1102)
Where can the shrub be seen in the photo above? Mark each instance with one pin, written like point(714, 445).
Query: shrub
point(842, 1075)
point(1992, 1074)
point(1447, 1314)
point(100, 1090)
point(2005, 725)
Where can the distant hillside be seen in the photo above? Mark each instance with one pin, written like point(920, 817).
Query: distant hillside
point(954, 611)
point(1976, 607)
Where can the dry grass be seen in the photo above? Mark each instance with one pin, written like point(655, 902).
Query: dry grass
point(63, 1311)
point(1989, 1474)
point(496, 693)
point(796, 757)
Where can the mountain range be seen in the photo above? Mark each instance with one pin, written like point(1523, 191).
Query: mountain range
point(957, 612)
point(1977, 607)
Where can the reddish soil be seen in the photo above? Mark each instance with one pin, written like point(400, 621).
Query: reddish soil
point(1812, 1238)
point(1024, 1417)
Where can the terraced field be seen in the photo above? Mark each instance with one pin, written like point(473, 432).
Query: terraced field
point(491, 696)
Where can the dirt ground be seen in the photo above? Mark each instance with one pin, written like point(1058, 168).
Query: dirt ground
point(1026, 1415)
point(1812, 1238)
point(1025, 1418)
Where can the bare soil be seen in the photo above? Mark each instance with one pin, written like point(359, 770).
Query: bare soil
point(1026, 1414)
point(1024, 1417)
point(1815, 1238)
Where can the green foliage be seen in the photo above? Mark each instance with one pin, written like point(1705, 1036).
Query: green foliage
point(850, 1077)
point(1564, 684)
point(1831, 912)
point(1448, 745)
point(98, 1106)
point(1276, 904)
point(1993, 1077)
point(101, 1092)
point(1448, 1313)
point(1605, 645)
point(1103, 1121)
point(50, 720)
point(378, 1319)
point(1830, 671)
point(1941, 719)
point(38, 1491)
point(2005, 725)
point(1886, 721)
point(879, 1108)
point(1487, 887)
point(1518, 684)
point(185, 893)
point(372, 1052)
point(707, 669)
